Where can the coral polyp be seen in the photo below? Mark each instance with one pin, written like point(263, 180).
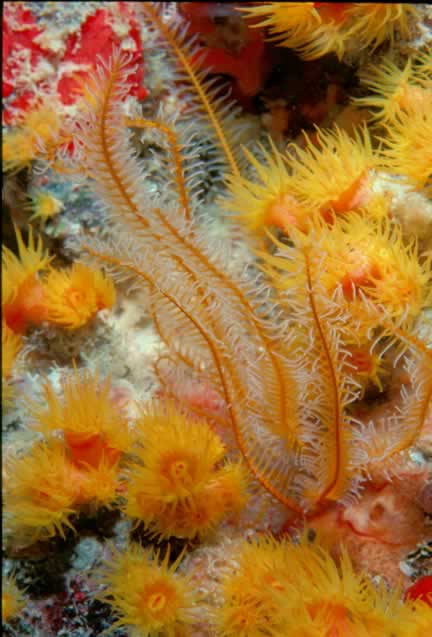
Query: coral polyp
point(73, 298)
point(269, 201)
point(44, 206)
point(407, 146)
point(22, 292)
point(396, 89)
point(147, 593)
point(281, 588)
point(95, 429)
point(36, 136)
point(334, 174)
point(33, 292)
point(317, 28)
point(41, 489)
point(371, 256)
point(179, 484)
point(13, 600)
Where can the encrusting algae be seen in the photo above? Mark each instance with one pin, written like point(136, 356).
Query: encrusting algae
point(293, 359)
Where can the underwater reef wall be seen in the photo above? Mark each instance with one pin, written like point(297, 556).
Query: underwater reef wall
point(216, 319)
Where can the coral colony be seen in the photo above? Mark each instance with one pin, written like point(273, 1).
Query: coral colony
point(216, 319)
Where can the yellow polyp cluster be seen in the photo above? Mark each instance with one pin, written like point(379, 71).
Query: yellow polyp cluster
point(281, 589)
point(16, 269)
point(38, 135)
point(147, 594)
point(44, 489)
point(69, 298)
point(402, 106)
point(51, 483)
point(373, 22)
point(371, 256)
point(13, 601)
point(265, 360)
point(179, 486)
point(12, 345)
point(368, 259)
point(249, 608)
point(314, 29)
point(331, 177)
point(95, 429)
point(73, 297)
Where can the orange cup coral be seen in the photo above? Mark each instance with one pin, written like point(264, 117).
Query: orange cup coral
point(333, 177)
point(13, 600)
point(147, 593)
point(44, 489)
point(22, 291)
point(317, 28)
point(281, 588)
point(66, 298)
point(37, 136)
point(179, 485)
point(95, 429)
point(40, 492)
point(74, 297)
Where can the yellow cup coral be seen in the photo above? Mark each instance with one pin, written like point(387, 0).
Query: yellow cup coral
point(179, 486)
point(147, 593)
point(44, 206)
point(395, 89)
point(407, 149)
point(13, 600)
point(22, 291)
point(402, 101)
point(74, 297)
point(37, 135)
point(371, 256)
point(367, 256)
point(317, 28)
point(332, 176)
point(44, 489)
point(41, 489)
point(249, 608)
point(281, 588)
point(95, 429)
point(268, 200)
